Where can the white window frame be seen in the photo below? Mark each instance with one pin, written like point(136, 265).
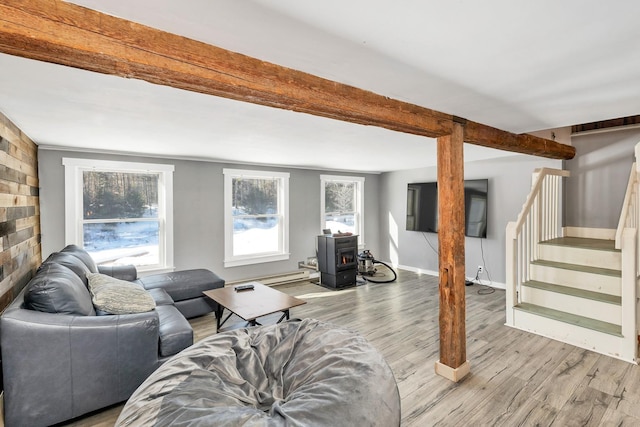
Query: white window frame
point(359, 220)
point(283, 208)
point(73, 171)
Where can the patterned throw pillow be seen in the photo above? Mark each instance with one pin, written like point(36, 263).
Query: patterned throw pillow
point(114, 296)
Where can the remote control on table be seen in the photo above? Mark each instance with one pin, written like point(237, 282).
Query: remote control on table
point(247, 287)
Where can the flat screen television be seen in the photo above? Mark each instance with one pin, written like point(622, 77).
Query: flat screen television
point(422, 207)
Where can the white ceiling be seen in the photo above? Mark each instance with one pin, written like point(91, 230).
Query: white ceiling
point(516, 65)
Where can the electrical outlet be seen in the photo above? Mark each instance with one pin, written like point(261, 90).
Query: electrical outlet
point(480, 269)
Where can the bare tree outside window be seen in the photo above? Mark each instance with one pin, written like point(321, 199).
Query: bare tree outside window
point(120, 216)
point(119, 195)
point(256, 216)
point(340, 197)
point(255, 196)
point(340, 206)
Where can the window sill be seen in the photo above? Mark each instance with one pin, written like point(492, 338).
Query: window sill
point(256, 260)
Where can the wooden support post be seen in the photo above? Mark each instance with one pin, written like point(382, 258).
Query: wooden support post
point(453, 362)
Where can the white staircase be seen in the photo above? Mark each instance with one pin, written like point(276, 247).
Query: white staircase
point(574, 285)
point(574, 295)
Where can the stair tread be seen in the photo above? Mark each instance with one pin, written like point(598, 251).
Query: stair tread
point(583, 243)
point(580, 293)
point(576, 267)
point(574, 319)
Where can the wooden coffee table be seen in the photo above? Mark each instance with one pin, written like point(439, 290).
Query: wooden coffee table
point(252, 304)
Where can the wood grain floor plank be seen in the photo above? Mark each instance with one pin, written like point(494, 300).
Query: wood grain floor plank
point(586, 407)
point(531, 414)
point(625, 406)
point(565, 379)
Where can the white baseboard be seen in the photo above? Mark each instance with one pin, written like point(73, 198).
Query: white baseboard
point(277, 279)
point(417, 270)
point(496, 285)
point(492, 284)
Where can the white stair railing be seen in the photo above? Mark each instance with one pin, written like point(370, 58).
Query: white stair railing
point(627, 242)
point(539, 220)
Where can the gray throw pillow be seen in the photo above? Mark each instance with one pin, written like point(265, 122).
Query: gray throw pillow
point(114, 296)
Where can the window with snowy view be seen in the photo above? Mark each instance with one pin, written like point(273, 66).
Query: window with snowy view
point(123, 218)
point(256, 223)
point(342, 200)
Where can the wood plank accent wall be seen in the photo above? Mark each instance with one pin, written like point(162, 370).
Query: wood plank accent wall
point(19, 211)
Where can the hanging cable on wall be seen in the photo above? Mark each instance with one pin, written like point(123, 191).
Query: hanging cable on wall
point(485, 289)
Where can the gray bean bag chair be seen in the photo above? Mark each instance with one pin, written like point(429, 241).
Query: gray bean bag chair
point(297, 373)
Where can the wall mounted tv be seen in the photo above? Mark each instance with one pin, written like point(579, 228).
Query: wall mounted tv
point(422, 207)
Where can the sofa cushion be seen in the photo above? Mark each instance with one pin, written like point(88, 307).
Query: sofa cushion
point(57, 289)
point(114, 296)
point(73, 263)
point(160, 296)
point(83, 255)
point(195, 307)
point(176, 333)
point(184, 284)
point(123, 272)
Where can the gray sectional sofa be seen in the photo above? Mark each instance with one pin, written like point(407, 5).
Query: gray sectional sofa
point(62, 358)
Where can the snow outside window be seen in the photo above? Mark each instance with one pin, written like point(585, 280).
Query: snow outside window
point(120, 212)
point(342, 201)
point(256, 216)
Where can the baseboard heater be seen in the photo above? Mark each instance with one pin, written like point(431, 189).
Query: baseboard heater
point(276, 279)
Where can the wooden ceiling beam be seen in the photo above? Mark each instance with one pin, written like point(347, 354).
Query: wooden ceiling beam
point(487, 136)
point(606, 124)
point(63, 33)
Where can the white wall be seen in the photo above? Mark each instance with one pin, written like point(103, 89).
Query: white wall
point(599, 176)
point(198, 212)
point(509, 184)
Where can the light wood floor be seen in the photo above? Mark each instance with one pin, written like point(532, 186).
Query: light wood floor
point(516, 378)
